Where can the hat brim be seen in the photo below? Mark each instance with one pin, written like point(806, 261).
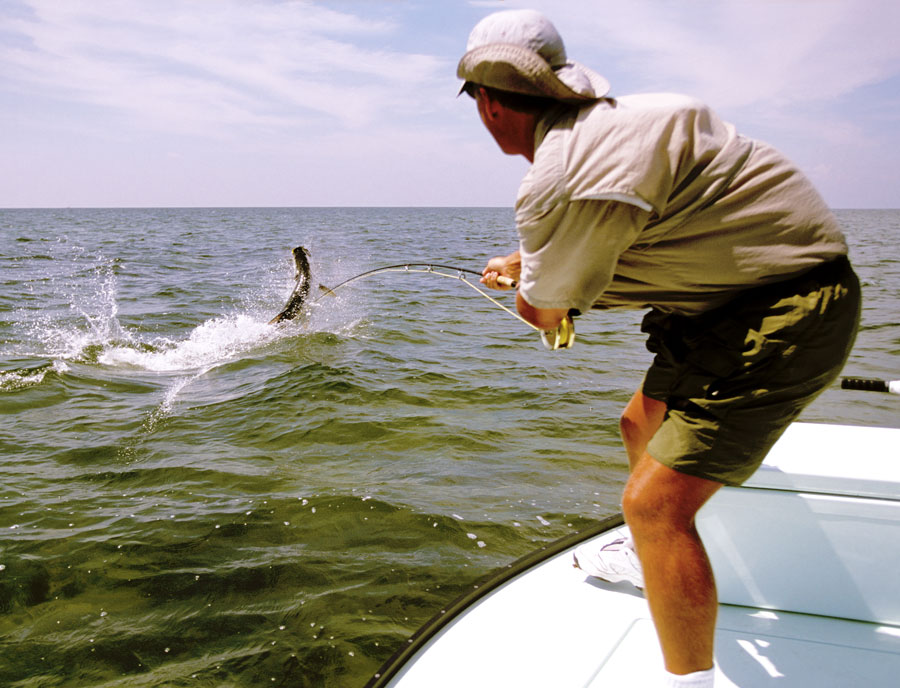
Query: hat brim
point(510, 67)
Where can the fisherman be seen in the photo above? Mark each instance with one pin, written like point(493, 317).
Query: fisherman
point(652, 201)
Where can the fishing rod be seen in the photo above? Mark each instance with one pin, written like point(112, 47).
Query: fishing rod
point(415, 267)
point(562, 337)
point(871, 385)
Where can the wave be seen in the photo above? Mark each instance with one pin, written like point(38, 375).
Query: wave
point(23, 378)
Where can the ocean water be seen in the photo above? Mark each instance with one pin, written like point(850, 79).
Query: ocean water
point(192, 497)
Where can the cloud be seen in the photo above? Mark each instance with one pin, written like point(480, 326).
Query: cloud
point(739, 53)
point(355, 99)
point(206, 65)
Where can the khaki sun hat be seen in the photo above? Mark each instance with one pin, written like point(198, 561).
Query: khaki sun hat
point(521, 51)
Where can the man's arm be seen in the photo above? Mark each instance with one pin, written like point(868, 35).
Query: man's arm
point(544, 318)
point(568, 258)
point(511, 266)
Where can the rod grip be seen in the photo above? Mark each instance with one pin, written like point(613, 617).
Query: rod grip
point(865, 384)
point(507, 281)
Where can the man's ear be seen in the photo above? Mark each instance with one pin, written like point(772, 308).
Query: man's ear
point(490, 105)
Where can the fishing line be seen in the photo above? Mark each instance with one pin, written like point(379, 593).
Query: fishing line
point(561, 337)
point(431, 269)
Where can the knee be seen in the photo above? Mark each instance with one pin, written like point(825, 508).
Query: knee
point(639, 507)
point(658, 500)
point(650, 519)
point(630, 429)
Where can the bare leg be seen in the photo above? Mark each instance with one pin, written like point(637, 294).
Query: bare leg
point(640, 421)
point(659, 505)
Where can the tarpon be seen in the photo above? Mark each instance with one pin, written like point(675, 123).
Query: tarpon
point(301, 288)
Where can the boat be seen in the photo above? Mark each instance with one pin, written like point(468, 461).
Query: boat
point(806, 556)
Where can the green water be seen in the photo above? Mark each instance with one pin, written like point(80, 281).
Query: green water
point(191, 497)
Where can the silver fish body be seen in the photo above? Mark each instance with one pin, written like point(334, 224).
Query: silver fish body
point(301, 288)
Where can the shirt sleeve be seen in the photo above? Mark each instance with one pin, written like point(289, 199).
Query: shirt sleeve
point(569, 256)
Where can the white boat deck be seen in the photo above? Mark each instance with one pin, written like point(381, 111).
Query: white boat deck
point(806, 560)
point(558, 627)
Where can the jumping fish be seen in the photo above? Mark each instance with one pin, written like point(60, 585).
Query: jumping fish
point(301, 288)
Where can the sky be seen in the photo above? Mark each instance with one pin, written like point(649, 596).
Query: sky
point(199, 103)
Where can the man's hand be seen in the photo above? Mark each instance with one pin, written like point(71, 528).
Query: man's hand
point(502, 266)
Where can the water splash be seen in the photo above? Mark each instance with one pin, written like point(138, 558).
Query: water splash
point(164, 410)
point(87, 328)
point(87, 322)
point(73, 315)
point(210, 344)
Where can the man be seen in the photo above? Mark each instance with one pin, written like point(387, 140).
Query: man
point(652, 201)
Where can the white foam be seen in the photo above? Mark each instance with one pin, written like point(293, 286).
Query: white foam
point(212, 343)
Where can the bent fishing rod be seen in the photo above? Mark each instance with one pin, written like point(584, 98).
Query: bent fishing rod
point(562, 337)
